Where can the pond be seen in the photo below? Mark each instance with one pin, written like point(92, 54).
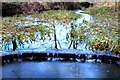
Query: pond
point(60, 70)
point(33, 34)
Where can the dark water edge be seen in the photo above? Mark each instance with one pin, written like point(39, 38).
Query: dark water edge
point(58, 69)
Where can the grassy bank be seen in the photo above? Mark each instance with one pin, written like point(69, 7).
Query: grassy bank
point(63, 16)
point(105, 29)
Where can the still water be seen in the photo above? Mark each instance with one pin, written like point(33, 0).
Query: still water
point(60, 70)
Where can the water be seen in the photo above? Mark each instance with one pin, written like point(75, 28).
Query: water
point(60, 70)
point(47, 69)
point(85, 17)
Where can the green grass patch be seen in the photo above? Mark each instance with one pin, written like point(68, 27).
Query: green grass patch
point(106, 32)
point(102, 10)
point(60, 15)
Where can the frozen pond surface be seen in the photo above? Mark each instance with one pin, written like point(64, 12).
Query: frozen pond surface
point(60, 70)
